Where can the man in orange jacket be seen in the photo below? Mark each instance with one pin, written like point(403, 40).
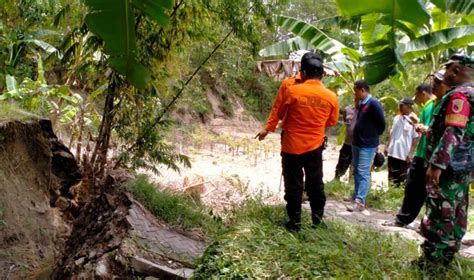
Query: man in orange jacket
point(272, 120)
point(308, 108)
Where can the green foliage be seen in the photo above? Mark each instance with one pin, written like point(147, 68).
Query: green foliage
point(381, 23)
point(285, 47)
point(131, 37)
point(380, 65)
point(310, 10)
point(350, 24)
point(258, 247)
point(456, 37)
point(256, 90)
point(57, 102)
point(385, 27)
point(456, 6)
point(388, 199)
point(405, 10)
point(10, 112)
point(391, 104)
point(470, 218)
point(137, 114)
point(114, 22)
point(247, 28)
point(175, 208)
point(311, 34)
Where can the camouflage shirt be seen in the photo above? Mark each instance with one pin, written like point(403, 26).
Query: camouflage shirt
point(452, 123)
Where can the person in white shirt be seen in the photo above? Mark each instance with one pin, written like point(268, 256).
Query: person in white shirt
point(402, 142)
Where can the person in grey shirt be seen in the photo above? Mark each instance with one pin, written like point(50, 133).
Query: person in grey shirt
point(345, 154)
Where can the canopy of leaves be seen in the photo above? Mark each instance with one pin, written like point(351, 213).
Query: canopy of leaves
point(114, 22)
point(456, 37)
point(312, 36)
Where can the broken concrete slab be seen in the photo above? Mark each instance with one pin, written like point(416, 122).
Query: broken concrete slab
point(146, 267)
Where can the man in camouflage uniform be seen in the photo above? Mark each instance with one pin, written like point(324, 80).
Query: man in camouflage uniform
point(453, 123)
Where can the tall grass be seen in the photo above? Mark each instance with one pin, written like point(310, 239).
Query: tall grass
point(251, 242)
point(175, 208)
point(9, 112)
point(258, 247)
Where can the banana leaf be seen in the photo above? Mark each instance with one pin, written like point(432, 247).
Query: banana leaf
point(114, 22)
point(284, 47)
point(412, 11)
point(456, 6)
point(313, 35)
point(455, 37)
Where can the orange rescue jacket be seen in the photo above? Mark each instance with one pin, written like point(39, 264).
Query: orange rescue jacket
point(272, 121)
point(308, 108)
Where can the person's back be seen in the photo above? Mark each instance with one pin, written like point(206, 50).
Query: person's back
point(311, 108)
point(307, 109)
point(273, 119)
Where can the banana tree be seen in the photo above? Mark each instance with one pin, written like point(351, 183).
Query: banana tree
point(342, 58)
point(398, 31)
point(115, 22)
point(432, 44)
point(455, 6)
point(17, 45)
point(392, 33)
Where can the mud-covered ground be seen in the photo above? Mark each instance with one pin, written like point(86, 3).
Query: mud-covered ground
point(225, 175)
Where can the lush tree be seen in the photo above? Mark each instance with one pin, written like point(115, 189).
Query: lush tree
point(392, 33)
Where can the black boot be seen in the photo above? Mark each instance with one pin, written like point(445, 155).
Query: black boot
point(293, 226)
point(318, 222)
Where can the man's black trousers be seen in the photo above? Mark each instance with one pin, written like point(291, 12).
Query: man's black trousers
point(397, 171)
point(345, 160)
point(304, 172)
point(415, 192)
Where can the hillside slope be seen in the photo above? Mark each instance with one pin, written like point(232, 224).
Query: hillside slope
point(36, 172)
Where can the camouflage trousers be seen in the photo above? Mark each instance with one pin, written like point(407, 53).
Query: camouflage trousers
point(445, 221)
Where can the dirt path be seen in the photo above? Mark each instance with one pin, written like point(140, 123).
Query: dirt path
point(369, 217)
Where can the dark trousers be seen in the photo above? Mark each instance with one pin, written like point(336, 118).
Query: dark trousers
point(397, 171)
point(345, 160)
point(415, 192)
point(304, 172)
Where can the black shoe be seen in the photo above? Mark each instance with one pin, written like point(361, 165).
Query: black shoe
point(292, 226)
point(320, 224)
point(393, 223)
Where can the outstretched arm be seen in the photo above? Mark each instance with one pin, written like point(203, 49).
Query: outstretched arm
point(272, 120)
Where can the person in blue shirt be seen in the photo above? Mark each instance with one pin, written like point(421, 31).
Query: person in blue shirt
point(370, 124)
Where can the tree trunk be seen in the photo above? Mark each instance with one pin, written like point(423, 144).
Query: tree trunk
point(81, 130)
point(99, 157)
